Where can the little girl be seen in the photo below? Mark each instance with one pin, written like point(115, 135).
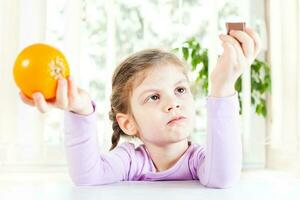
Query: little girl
point(151, 100)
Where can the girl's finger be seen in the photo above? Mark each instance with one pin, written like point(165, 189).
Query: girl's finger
point(237, 47)
point(40, 102)
point(26, 99)
point(246, 41)
point(229, 51)
point(62, 94)
point(72, 89)
point(256, 39)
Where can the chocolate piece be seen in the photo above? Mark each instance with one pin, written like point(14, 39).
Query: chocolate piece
point(240, 26)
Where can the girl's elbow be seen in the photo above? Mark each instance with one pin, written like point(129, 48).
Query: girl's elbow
point(91, 181)
point(223, 182)
point(80, 182)
point(85, 183)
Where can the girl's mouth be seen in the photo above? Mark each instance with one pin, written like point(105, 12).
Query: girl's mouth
point(176, 120)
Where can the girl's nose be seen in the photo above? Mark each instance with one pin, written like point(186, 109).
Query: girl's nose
point(172, 106)
point(175, 106)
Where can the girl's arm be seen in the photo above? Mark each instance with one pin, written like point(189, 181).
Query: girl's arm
point(221, 166)
point(87, 166)
point(222, 158)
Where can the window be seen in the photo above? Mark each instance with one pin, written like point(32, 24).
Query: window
point(95, 35)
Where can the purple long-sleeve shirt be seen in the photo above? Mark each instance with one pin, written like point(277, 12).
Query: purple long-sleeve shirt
point(216, 165)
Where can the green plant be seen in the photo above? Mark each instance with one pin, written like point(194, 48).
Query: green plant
point(197, 56)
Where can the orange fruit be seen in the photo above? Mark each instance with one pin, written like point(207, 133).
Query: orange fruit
point(37, 69)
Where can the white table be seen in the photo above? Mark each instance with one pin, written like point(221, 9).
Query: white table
point(253, 185)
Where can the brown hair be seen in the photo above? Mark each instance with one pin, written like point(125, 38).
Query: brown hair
point(124, 78)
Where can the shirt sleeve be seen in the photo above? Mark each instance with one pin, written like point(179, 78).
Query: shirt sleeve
point(219, 165)
point(87, 165)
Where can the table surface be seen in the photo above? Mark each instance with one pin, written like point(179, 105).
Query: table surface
point(253, 185)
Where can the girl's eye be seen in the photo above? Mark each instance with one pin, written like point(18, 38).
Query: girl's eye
point(153, 98)
point(181, 90)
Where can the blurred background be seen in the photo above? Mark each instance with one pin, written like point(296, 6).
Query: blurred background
point(96, 34)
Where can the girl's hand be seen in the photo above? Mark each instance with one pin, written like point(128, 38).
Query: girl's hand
point(240, 50)
point(68, 98)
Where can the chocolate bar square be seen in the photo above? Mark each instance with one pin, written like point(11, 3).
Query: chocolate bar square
point(240, 26)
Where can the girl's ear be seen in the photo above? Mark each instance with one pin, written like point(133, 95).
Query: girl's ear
point(127, 124)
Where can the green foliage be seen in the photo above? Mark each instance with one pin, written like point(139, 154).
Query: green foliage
point(197, 57)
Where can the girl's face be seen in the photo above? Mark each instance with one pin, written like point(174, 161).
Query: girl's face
point(163, 106)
